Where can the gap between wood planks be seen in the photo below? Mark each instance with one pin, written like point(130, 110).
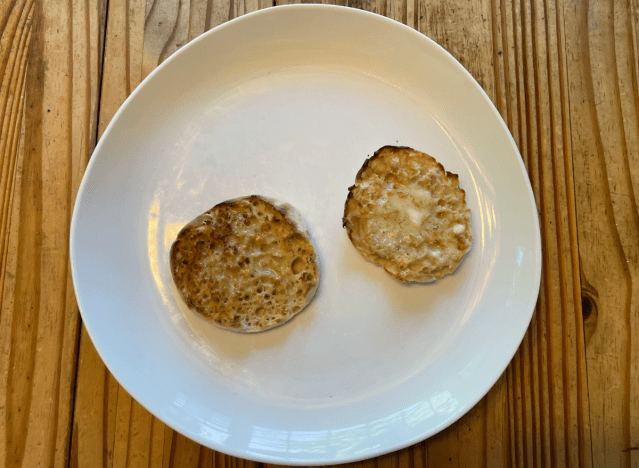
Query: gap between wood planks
point(561, 48)
point(101, 51)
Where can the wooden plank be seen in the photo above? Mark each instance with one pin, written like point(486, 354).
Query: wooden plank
point(141, 429)
point(14, 44)
point(197, 18)
point(39, 319)
point(89, 427)
point(186, 453)
point(8, 423)
point(166, 30)
point(15, 33)
point(555, 386)
point(495, 435)
point(118, 80)
point(375, 6)
point(556, 331)
point(464, 29)
point(457, 445)
point(397, 10)
point(602, 49)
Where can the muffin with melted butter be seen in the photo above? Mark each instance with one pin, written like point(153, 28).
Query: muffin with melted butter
point(408, 215)
point(247, 264)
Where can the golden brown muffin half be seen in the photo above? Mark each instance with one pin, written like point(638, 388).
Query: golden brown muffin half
point(407, 214)
point(247, 264)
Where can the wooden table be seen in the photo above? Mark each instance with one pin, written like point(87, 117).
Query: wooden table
point(563, 74)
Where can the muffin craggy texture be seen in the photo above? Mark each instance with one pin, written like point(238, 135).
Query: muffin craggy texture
point(408, 215)
point(247, 264)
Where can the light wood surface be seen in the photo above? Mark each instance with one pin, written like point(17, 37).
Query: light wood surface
point(564, 76)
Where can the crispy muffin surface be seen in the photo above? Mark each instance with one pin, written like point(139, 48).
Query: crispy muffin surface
point(247, 264)
point(408, 215)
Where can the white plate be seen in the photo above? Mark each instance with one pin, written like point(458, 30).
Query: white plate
point(288, 102)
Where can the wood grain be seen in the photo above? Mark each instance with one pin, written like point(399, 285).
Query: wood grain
point(604, 108)
point(564, 76)
point(14, 43)
point(39, 319)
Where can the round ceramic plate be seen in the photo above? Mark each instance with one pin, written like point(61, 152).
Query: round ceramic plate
point(288, 102)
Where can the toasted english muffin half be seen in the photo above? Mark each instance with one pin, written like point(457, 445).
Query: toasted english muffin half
point(408, 215)
point(247, 264)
